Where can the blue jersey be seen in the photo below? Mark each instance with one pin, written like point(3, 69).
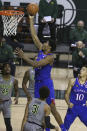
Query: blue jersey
point(78, 94)
point(78, 97)
point(43, 78)
point(43, 72)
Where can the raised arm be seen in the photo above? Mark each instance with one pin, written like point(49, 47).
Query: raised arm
point(34, 34)
point(24, 84)
point(68, 91)
point(47, 60)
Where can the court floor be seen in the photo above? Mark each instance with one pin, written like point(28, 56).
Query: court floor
point(60, 78)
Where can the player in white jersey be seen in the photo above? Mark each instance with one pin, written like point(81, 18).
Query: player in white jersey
point(7, 83)
point(37, 111)
point(29, 77)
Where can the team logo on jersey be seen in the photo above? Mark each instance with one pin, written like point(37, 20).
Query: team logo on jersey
point(5, 91)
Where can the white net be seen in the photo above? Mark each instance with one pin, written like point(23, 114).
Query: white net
point(10, 23)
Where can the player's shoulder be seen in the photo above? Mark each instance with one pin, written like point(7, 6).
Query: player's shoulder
point(72, 81)
point(47, 107)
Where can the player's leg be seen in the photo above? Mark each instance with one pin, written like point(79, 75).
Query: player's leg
point(82, 115)
point(8, 124)
point(51, 101)
point(7, 115)
point(69, 118)
point(57, 116)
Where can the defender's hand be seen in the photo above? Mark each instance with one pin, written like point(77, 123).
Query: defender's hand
point(19, 52)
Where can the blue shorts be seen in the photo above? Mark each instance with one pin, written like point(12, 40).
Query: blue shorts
point(49, 84)
point(76, 111)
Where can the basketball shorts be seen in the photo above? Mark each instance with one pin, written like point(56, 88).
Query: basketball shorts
point(32, 127)
point(76, 111)
point(5, 108)
point(49, 84)
point(31, 91)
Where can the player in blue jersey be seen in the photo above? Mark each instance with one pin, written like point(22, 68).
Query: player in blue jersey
point(76, 97)
point(43, 66)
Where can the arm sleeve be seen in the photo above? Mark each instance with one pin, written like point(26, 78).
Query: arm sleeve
point(48, 124)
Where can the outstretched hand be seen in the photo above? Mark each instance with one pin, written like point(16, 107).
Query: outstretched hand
point(19, 52)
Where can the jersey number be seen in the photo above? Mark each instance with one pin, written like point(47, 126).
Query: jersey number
point(35, 109)
point(5, 91)
point(79, 97)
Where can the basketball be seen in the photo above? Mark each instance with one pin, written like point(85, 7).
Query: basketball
point(32, 9)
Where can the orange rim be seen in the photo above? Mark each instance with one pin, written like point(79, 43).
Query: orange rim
point(11, 12)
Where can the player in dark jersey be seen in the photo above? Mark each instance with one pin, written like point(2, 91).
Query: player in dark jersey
point(7, 83)
point(37, 111)
point(43, 66)
point(76, 97)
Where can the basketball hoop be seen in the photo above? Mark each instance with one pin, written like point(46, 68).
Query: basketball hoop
point(10, 19)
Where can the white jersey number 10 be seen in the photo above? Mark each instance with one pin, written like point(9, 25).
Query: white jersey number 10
point(79, 97)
